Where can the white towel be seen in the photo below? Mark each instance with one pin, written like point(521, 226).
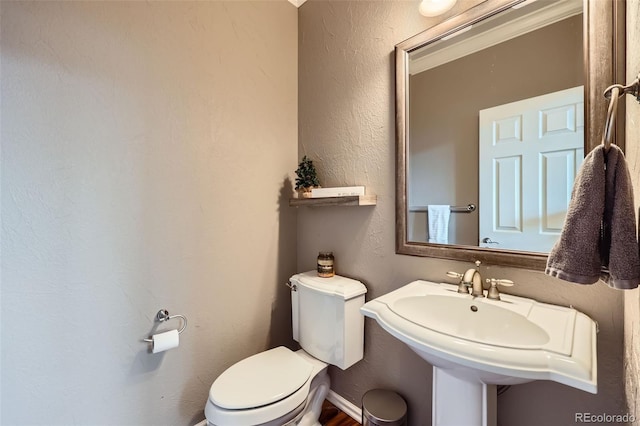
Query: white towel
point(438, 216)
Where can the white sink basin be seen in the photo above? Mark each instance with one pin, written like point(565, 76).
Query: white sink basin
point(472, 320)
point(511, 341)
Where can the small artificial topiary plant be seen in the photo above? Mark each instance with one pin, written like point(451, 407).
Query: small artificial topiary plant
point(307, 176)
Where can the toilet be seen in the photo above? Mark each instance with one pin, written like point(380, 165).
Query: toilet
point(280, 387)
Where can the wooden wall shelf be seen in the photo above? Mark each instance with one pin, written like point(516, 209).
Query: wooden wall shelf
point(355, 200)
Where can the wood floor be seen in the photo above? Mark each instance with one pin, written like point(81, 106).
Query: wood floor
point(331, 416)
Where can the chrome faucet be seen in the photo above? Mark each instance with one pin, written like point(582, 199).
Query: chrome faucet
point(471, 278)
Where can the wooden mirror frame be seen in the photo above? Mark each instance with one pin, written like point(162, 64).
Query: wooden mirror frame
point(604, 55)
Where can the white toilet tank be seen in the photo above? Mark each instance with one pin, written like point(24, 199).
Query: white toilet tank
point(326, 317)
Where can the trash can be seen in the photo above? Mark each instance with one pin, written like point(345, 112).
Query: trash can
point(383, 408)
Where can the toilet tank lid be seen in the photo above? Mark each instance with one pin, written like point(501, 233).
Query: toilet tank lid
point(337, 285)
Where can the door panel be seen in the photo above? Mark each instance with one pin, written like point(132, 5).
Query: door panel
point(530, 151)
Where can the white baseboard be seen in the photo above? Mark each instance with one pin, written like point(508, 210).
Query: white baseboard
point(351, 410)
point(348, 408)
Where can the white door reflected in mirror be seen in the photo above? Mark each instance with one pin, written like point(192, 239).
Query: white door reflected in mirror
point(534, 146)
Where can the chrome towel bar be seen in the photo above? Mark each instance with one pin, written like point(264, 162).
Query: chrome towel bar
point(463, 209)
point(453, 209)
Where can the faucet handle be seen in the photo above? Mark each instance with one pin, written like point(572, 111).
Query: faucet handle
point(493, 292)
point(454, 275)
point(463, 288)
point(494, 281)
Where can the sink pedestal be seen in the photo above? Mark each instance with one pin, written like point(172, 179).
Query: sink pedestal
point(461, 402)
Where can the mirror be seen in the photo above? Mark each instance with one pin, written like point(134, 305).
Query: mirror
point(457, 85)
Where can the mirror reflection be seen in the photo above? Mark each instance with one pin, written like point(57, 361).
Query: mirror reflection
point(496, 121)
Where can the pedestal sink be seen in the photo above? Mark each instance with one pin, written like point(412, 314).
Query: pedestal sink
point(475, 344)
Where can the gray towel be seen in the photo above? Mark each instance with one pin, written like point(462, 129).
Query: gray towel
point(575, 256)
point(619, 248)
point(598, 240)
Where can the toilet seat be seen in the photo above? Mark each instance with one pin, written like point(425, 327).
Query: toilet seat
point(259, 388)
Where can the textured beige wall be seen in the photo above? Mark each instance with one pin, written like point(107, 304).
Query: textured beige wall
point(145, 148)
point(346, 124)
point(632, 298)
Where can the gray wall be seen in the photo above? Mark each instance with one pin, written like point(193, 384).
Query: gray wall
point(444, 134)
point(145, 160)
point(346, 125)
point(147, 152)
point(632, 298)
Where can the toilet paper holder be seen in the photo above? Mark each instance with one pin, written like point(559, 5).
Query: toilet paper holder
point(163, 315)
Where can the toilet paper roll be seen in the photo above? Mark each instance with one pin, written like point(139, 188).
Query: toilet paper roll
point(165, 341)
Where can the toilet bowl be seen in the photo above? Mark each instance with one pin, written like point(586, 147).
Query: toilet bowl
point(275, 388)
point(280, 387)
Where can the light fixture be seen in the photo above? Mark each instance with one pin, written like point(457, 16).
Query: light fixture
point(432, 8)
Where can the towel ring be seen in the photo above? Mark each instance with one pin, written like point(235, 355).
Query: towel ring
point(163, 315)
point(613, 93)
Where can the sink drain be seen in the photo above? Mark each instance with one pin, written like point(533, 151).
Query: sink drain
point(474, 308)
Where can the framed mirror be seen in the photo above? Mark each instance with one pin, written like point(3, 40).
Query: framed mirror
point(476, 87)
